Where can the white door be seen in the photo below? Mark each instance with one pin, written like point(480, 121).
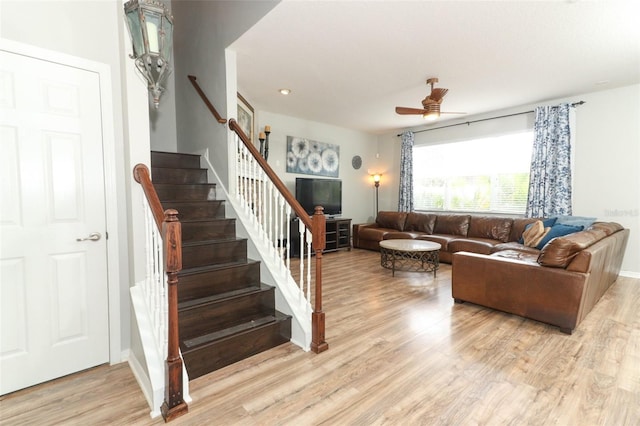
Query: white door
point(53, 288)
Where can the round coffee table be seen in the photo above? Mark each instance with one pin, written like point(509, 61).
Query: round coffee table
point(409, 255)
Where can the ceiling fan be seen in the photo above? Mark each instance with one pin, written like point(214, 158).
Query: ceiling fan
point(430, 105)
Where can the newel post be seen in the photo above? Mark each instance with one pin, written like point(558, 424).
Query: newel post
point(318, 229)
point(174, 405)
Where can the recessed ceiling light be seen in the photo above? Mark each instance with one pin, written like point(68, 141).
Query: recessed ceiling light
point(284, 91)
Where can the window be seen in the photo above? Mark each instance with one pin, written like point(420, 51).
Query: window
point(481, 175)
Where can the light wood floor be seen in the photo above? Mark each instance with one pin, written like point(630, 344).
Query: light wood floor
point(400, 353)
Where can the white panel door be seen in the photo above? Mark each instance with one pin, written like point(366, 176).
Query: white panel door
point(53, 288)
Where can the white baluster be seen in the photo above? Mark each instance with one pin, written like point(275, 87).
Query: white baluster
point(270, 215)
point(238, 169)
point(288, 245)
point(251, 182)
point(308, 292)
point(301, 233)
point(278, 226)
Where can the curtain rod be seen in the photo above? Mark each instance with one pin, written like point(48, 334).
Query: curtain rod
point(575, 104)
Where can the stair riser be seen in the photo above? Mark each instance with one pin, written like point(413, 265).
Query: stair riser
point(219, 354)
point(194, 286)
point(165, 175)
point(197, 209)
point(202, 231)
point(196, 192)
point(168, 159)
point(221, 314)
point(214, 254)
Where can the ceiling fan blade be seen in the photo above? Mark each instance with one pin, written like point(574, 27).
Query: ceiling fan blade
point(403, 110)
point(438, 93)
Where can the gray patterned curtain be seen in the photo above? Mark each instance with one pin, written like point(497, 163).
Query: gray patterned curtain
point(405, 199)
point(550, 176)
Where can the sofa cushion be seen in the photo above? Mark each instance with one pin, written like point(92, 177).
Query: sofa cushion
point(391, 220)
point(396, 235)
point(518, 226)
point(443, 240)
point(529, 257)
point(557, 230)
point(493, 228)
point(547, 223)
point(515, 246)
point(420, 222)
point(475, 245)
point(534, 233)
point(373, 233)
point(450, 224)
point(559, 252)
point(583, 221)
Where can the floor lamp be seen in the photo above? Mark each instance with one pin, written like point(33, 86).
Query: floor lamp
point(376, 182)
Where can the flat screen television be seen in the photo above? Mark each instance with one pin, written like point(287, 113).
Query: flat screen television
point(312, 192)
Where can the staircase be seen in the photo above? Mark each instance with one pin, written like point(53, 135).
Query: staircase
point(225, 313)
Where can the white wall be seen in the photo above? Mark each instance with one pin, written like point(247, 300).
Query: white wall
point(607, 157)
point(203, 30)
point(358, 202)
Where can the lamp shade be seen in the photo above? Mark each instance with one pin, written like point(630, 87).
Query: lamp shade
point(151, 29)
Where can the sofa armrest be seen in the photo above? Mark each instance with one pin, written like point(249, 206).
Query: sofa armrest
point(356, 232)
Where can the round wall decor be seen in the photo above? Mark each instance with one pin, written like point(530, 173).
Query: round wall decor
point(356, 162)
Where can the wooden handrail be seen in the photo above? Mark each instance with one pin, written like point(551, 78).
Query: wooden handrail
point(192, 79)
point(143, 177)
point(282, 188)
point(171, 231)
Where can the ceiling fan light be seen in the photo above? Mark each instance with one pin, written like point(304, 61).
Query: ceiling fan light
point(431, 115)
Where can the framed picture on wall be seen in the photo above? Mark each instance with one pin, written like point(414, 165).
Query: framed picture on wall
point(311, 157)
point(245, 117)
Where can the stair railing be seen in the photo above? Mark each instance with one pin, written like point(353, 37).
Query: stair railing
point(270, 205)
point(214, 111)
point(164, 257)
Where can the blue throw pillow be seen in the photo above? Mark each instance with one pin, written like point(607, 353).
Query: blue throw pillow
point(558, 230)
point(583, 221)
point(546, 223)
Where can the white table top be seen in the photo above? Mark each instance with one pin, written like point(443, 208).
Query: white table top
point(410, 245)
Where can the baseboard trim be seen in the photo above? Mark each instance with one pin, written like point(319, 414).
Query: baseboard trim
point(143, 381)
point(630, 274)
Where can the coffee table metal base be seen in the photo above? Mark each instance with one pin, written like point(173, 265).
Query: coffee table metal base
point(397, 260)
point(409, 260)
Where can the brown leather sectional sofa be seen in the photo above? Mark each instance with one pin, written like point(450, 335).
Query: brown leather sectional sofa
point(558, 284)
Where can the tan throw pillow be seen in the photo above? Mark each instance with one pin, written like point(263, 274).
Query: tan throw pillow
point(534, 234)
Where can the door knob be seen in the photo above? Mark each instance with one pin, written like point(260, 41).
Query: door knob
point(94, 236)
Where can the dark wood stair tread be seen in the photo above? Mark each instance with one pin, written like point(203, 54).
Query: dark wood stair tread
point(194, 343)
point(208, 219)
point(221, 296)
point(216, 267)
point(210, 242)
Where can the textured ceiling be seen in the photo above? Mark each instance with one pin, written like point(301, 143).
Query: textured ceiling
point(349, 63)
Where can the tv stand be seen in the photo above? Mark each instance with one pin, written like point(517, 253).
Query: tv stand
point(338, 235)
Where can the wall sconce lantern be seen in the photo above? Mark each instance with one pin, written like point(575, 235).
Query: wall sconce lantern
point(151, 29)
point(376, 182)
